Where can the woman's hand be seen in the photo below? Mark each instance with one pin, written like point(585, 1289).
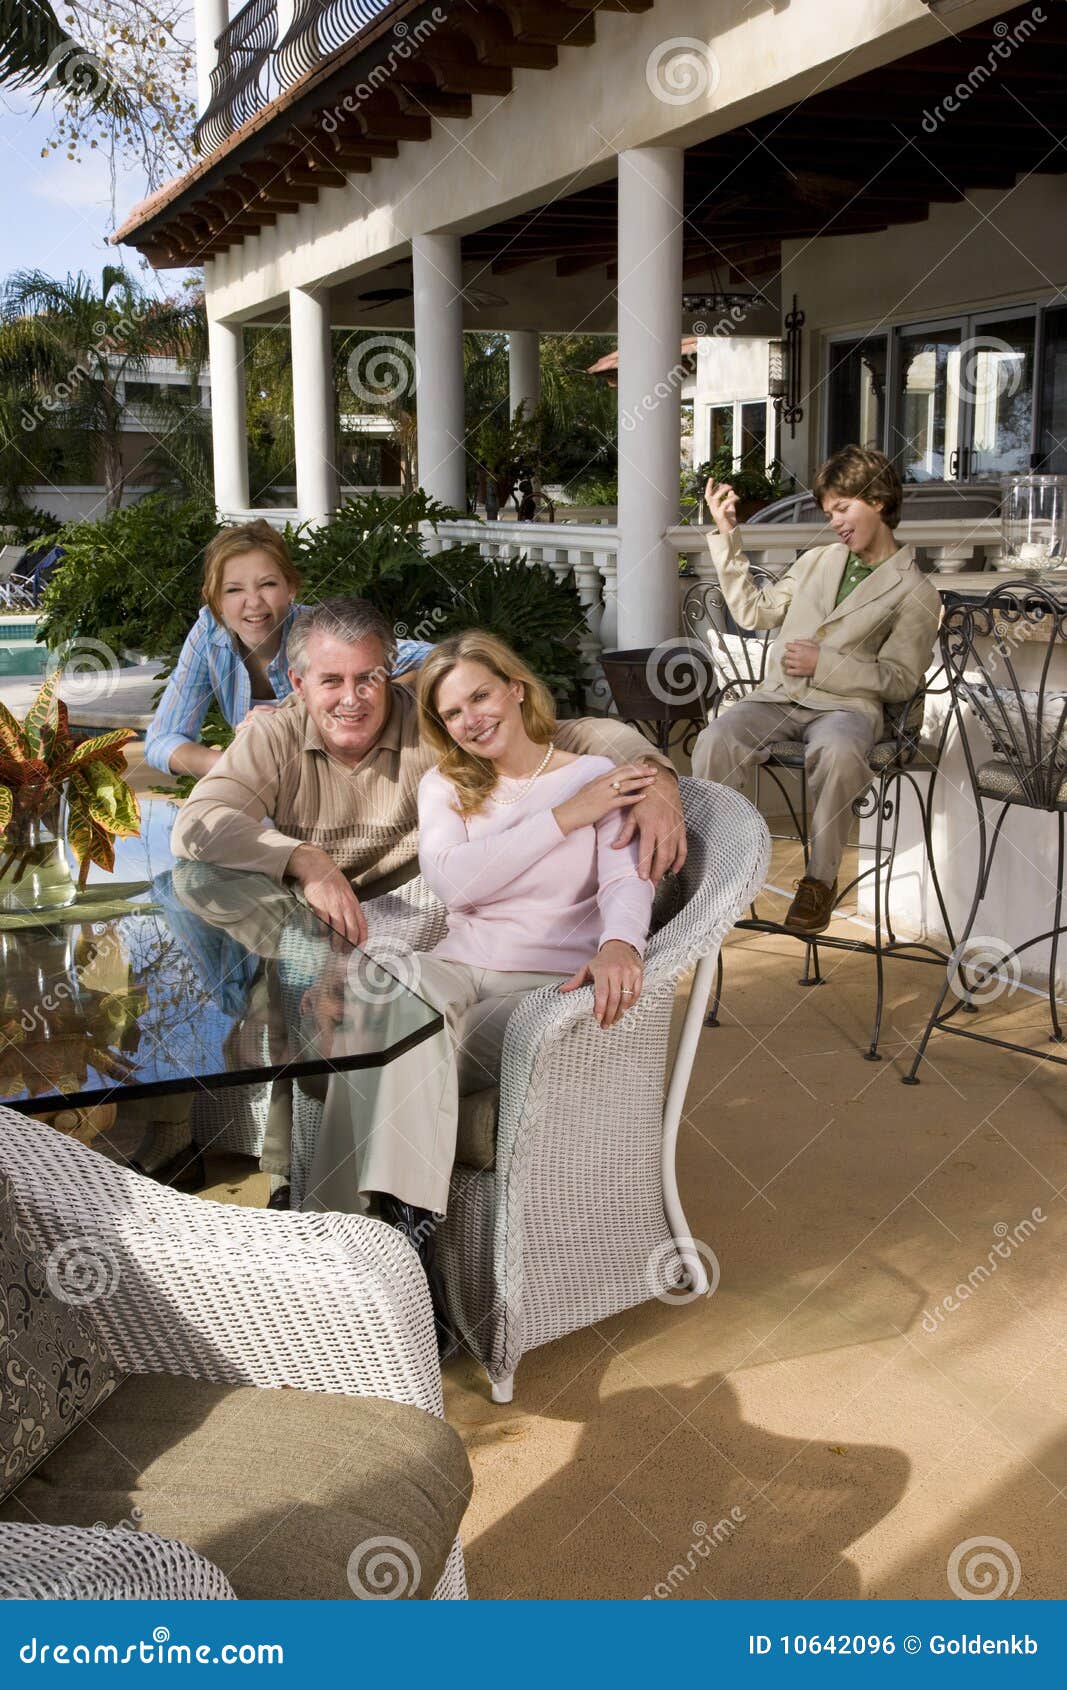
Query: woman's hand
point(615, 975)
point(255, 710)
point(721, 501)
point(619, 789)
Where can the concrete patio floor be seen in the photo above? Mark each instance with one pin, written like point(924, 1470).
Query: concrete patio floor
point(822, 1422)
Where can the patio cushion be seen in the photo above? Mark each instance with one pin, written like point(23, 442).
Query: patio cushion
point(54, 1368)
point(999, 780)
point(476, 1128)
point(279, 1488)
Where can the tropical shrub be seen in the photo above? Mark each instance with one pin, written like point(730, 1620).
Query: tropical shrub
point(131, 580)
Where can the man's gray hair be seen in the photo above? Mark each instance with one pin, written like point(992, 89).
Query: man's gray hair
point(343, 618)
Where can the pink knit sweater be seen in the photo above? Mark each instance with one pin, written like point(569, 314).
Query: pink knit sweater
point(520, 894)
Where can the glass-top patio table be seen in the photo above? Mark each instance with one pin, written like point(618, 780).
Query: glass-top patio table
point(190, 977)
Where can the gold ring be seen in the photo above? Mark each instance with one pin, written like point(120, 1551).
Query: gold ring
point(625, 992)
point(616, 786)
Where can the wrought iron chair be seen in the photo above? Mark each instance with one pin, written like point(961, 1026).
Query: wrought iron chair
point(902, 756)
point(983, 642)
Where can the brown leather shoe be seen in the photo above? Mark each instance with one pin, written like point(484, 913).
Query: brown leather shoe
point(812, 906)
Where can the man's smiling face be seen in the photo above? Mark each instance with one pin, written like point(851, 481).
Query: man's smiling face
point(346, 690)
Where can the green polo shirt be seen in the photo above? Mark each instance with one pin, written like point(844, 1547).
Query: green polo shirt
point(855, 572)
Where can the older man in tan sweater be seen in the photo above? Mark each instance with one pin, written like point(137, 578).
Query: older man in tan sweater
point(322, 790)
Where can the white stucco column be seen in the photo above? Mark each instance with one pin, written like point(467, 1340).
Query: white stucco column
point(438, 280)
point(650, 383)
point(229, 439)
point(317, 485)
point(524, 370)
point(210, 19)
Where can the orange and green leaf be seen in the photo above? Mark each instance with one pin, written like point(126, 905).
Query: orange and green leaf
point(42, 717)
point(12, 738)
point(7, 804)
point(92, 750)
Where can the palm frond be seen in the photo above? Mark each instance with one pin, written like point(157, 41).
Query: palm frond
point(36, 52)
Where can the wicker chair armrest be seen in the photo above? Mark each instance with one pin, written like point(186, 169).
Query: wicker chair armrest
point(215, 1291)
point(78, 1563)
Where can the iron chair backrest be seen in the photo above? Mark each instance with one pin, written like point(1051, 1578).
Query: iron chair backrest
point(1023, 718)
point(739, 654)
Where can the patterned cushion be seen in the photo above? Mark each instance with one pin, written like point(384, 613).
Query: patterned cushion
point(787, 751)
point(999, 780)
point(54, 1369)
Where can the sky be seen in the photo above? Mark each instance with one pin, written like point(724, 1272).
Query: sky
point(55, 215)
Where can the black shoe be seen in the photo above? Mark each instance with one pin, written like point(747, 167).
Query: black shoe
point(419, 1227)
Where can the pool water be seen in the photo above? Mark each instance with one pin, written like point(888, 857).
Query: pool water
point(22, 658)
point(19, 652)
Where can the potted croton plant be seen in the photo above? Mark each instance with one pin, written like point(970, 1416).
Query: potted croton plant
point(54, 790)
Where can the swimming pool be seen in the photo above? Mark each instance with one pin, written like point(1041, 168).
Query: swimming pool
point(19, 652)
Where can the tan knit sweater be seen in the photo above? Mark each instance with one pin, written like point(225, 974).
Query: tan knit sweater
point(365, 818)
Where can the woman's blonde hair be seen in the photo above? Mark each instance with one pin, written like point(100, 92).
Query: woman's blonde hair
point(475, 777)
point(256, 536)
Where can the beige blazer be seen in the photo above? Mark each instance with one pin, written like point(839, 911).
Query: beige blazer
point(876, 646)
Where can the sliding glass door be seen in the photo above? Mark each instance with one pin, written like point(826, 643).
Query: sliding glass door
point(951, 400)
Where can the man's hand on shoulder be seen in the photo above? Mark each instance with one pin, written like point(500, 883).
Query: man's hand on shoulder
point(660, 825)
point(328, 892)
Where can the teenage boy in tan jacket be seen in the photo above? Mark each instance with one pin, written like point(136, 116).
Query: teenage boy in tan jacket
point(858, 623)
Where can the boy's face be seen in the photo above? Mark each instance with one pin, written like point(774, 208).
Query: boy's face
point(854, 521)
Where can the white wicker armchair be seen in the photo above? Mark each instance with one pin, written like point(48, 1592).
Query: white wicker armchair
point(233, 1295)
point(81, 1564)
point(580, 1215)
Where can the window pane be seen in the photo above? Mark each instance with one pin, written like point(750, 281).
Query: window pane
point(999, 379)
point(1052, 432)
point(721, 430)
point(928, 439)
point(754, 434)
point(856, 401)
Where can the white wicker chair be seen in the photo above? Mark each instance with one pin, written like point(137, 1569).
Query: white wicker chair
point(81, 1564)
point(233, 1295)
point(580, 1216)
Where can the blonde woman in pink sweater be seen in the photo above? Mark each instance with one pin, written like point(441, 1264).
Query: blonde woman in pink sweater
point(518, 839)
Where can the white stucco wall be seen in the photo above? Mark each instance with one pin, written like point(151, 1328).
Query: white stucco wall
point(564, 128)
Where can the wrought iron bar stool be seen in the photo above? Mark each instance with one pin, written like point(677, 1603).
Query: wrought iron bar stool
point(903, 756)
point(1022, 720)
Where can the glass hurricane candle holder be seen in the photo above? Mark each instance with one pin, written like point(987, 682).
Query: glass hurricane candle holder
point(1033, 523)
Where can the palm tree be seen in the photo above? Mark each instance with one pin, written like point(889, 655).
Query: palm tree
point(35, 50)
point(71, 344)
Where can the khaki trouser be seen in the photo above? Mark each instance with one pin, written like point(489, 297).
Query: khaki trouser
point(393, 1129)
point(836, 747)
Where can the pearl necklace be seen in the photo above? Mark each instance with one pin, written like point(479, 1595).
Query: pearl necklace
point(523, 790)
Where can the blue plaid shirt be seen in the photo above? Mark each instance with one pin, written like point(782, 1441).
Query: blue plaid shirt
point(210, 666)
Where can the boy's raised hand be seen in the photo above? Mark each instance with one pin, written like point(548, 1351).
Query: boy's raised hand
point(721, 501)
